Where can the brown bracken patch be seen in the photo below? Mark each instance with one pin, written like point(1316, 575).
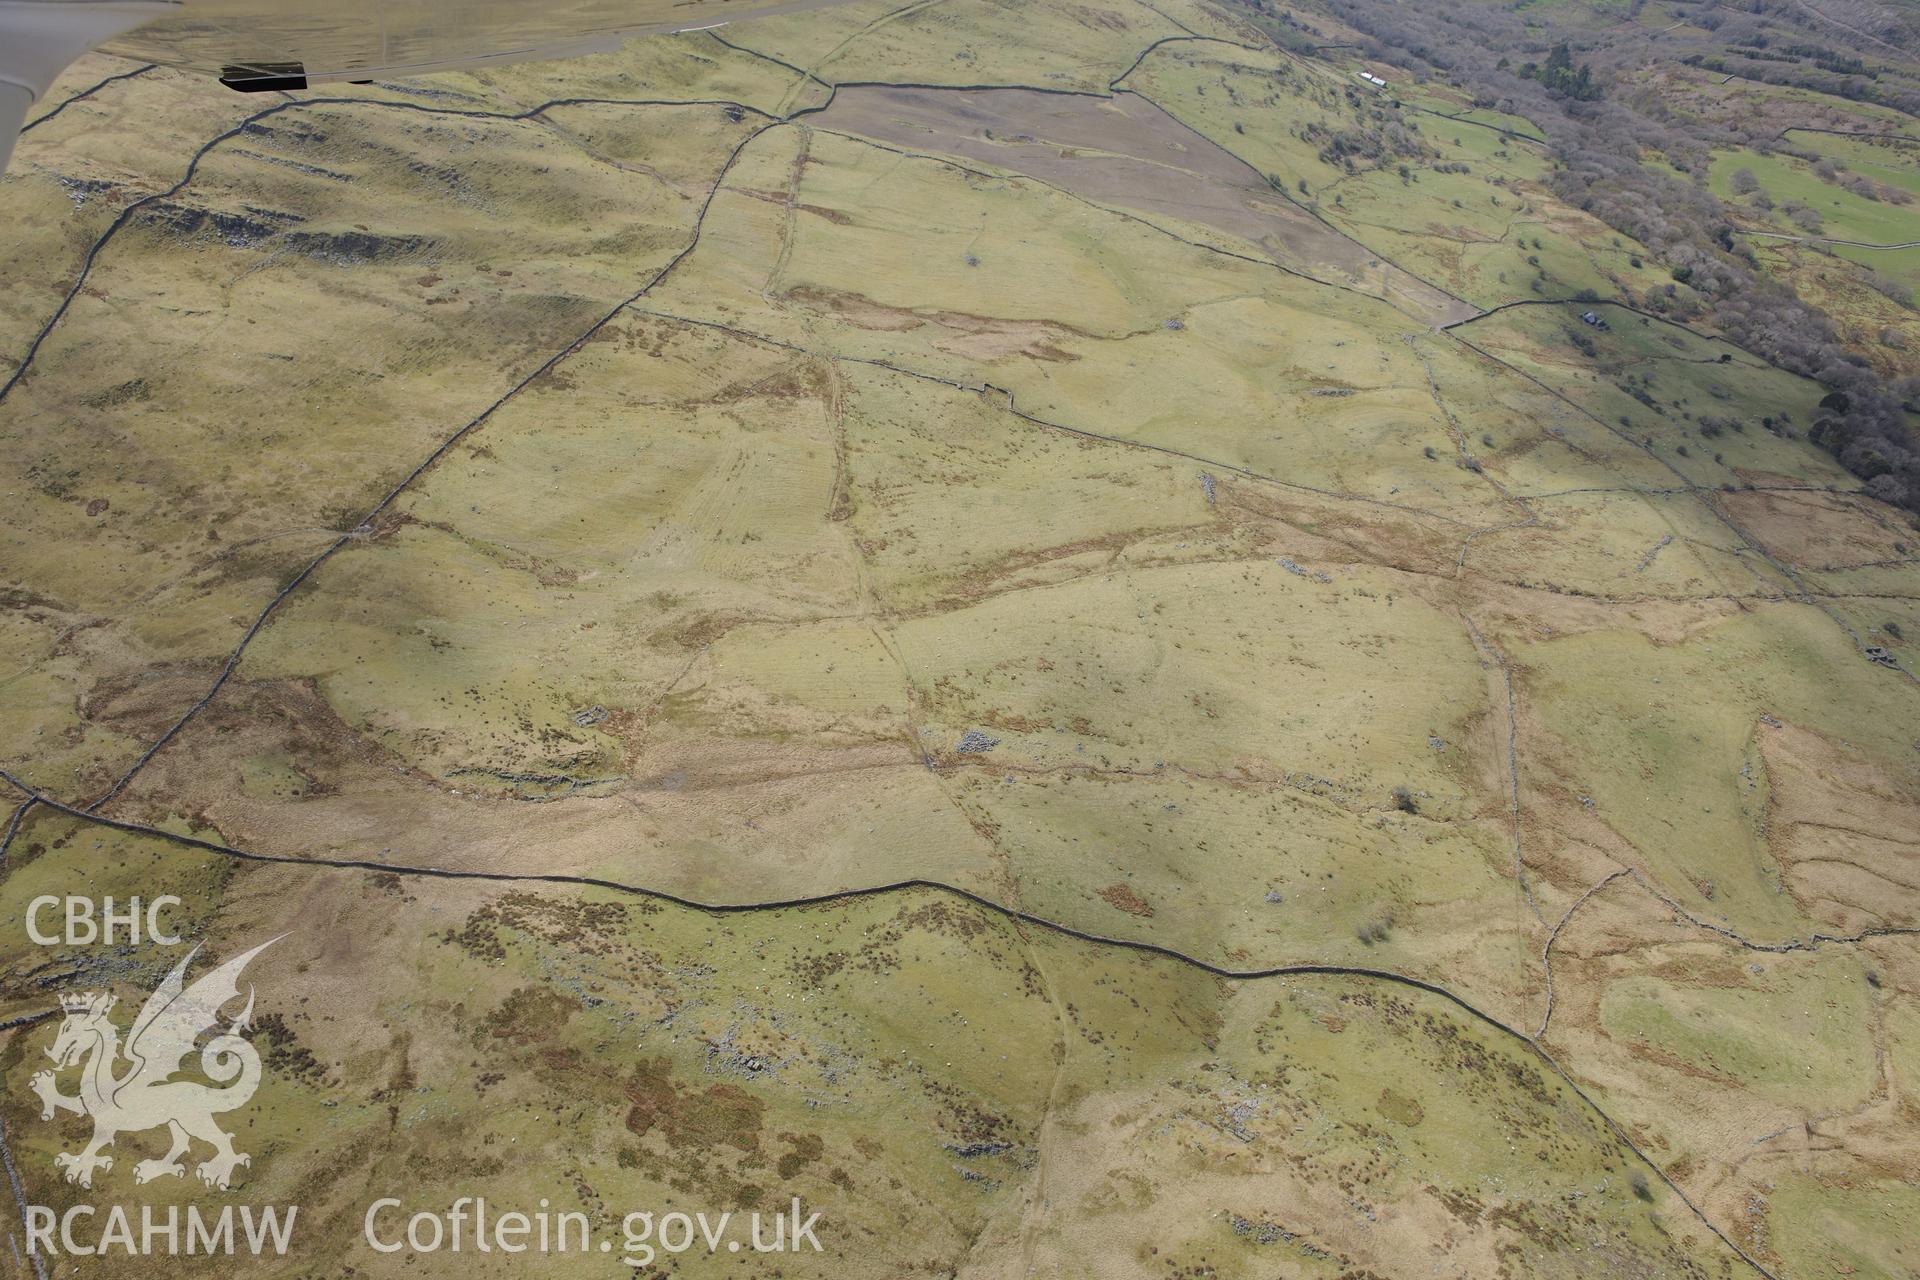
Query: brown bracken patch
point(720, 1114)
point(1119, 895)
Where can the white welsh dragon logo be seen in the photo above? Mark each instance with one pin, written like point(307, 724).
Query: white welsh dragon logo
point(146, 1095)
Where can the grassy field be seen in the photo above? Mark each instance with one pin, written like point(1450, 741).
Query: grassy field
point(1070, 47)
point(1468, 213)
point(1697, 407)
point(902, 1066)
point(1728, 1054)
point(290, 271)
point(1686, 779)
point(1845, 215)
point(1885, 160)
point(1870, 289)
